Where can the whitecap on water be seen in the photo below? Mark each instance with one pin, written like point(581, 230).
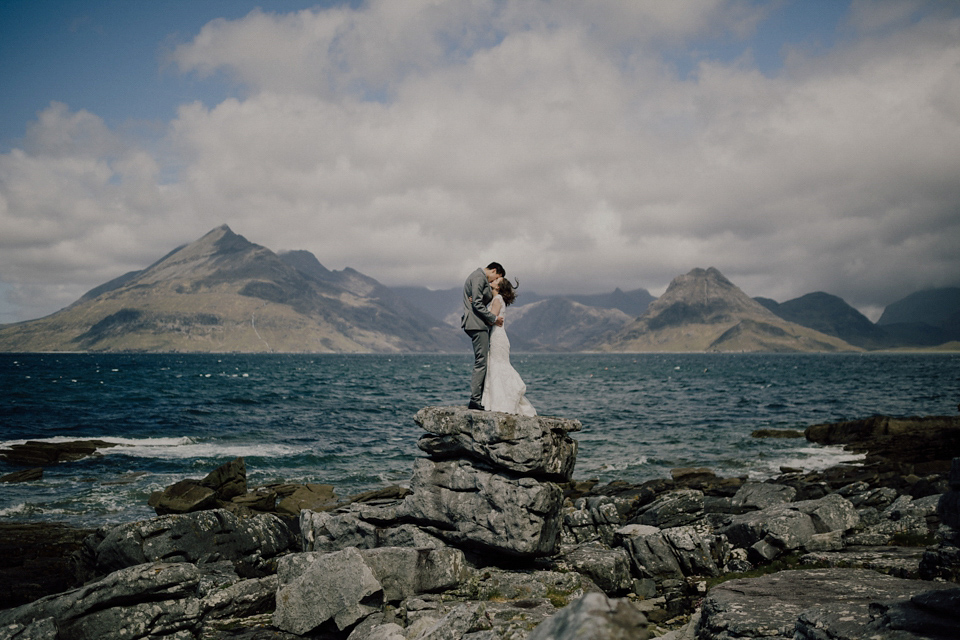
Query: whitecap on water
point(812, 458)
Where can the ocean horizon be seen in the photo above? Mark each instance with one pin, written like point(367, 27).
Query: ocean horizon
point(347, 419)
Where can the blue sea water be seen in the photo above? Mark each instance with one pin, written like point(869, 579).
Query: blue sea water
point(347, 420)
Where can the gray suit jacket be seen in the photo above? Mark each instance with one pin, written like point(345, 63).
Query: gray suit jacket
point(477, 294)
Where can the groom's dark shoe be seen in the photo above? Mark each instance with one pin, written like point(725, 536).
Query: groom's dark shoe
point(475, 405)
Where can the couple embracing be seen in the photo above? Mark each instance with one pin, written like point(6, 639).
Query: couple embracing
point(495, 385)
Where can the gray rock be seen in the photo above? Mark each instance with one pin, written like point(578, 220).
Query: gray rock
point(941, 563)
point(791, 526)
point(829, 541)
point(27, 475)
point(251, 544)
point(328, 532)
point(463, 620)
point(931, 613)
point(560, 587)
point(761, 495)
point(674, 509)
point(537, 445)
point(900, 562)
point(148, 600)
point(388, 631)
point(408, 535)
point(778, 527)
point(185, 496)
point(829, 513)
point(672, 554)
point(594, 617)
point(884, 531)
point(879, 498)
point(593, 519)
point(608, 568)
point(241, 599)
point(468, 504)
point(928, 615)
point(308, 496)
point(406, 572)
point(651, 554)
point(229, 480)
point(697, 550)
point(771, 606)
point(335, 586)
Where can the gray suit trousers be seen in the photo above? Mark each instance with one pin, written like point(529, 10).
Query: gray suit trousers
point(481, 349)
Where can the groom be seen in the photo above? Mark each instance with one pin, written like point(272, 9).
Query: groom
point(477, 321)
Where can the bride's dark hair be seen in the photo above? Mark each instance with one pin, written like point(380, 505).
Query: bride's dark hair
point(508, 291)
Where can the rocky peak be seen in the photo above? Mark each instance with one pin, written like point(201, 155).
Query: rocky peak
point(701, 296)
point(218, 249)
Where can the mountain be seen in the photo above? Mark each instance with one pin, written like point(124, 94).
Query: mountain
point(444, 305)
point(224, 293)
point(447, 304)
point(831, 315)
point(924, 318)
point(703, 311)
point(560, 324)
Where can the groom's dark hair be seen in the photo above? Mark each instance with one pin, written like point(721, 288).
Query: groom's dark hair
point(495, 266)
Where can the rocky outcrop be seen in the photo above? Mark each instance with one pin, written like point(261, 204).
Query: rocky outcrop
point(37, 560)
point(489, 480)
point(252, 545)
point(943, 561)
point(926, 443)
point(346, 586)
point(45, 454)
point(490, 541)
point(536, 446)
point(840, 604)
point(151, 600)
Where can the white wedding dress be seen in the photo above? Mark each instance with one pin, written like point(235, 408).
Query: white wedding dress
point(503, 389)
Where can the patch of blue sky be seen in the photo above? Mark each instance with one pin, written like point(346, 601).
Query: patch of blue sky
point(109, 57)
point(810, 26)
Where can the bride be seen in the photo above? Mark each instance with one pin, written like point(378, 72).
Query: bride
point(503, 389)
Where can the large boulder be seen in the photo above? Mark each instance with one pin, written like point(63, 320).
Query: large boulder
point(251, 544)
point(336, 586)
point(153, 600)
point(530, 445)
point(670, 554)
point(469, 504)
point(405, 572)
point(348, 585)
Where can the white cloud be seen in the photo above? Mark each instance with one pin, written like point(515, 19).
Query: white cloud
point(416, 140)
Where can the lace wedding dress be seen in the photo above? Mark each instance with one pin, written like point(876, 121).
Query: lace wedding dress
point(503, 389)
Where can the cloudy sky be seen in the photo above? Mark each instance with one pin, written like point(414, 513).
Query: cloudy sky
point(797, 146)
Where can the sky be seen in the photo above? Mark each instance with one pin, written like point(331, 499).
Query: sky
point(795, 145)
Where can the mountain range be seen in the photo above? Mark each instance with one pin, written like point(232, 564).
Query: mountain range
point(223, 293)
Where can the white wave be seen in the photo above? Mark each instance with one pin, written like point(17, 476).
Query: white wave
point(15, 510)
point(177, 447)
point(137, 442)
point(812, 458)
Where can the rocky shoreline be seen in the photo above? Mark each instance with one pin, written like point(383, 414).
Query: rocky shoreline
point(494, 540)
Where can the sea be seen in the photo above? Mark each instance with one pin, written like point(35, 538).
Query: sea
point(348, 420)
